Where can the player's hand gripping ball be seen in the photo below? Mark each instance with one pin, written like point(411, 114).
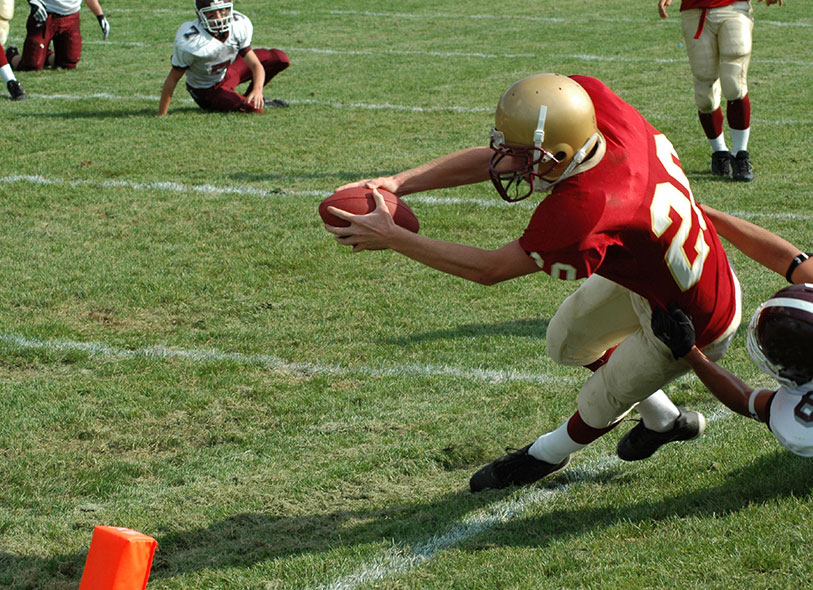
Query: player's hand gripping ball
point(360, 201)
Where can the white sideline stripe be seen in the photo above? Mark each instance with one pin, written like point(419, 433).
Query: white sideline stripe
point(373, 106)
point(453, 54)
point(652, 21)
point(401, 557)
point(405, 52)
point(127, 43)
point(208, 189)
point(297, 369)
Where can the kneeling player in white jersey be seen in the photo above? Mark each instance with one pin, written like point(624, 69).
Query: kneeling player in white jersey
point(215, 53)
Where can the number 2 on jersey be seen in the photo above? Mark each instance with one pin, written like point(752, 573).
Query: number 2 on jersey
point(686, 266)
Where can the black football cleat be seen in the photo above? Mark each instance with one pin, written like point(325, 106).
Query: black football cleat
point(517, 468)
point(15, 90)
point(721, 163)
point(641, 442)
point(741, 169)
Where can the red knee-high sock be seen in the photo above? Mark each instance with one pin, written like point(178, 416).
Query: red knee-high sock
point(583, 433)
point(712, 123)
point(738, 113)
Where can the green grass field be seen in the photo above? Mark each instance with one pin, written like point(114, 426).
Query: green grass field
point(186, 352)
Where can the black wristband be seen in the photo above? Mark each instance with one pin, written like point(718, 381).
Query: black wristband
point(799, 259)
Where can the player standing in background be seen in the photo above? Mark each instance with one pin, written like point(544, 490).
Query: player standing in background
point(7, 75)
point(620, 214)
point(717, 34)
point(215, 53)
point(54, 21)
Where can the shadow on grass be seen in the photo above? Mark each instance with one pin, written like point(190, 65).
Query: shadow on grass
point(777, 475)
point(245, 539)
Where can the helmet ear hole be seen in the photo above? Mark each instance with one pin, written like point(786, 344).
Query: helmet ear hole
point(560, 156)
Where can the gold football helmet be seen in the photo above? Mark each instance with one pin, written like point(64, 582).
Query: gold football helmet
point(545, 125)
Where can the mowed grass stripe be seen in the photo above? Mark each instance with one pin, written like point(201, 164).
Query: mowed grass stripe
point(298, 369)
point(402, 558)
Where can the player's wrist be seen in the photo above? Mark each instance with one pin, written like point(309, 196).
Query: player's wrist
point(797, 260)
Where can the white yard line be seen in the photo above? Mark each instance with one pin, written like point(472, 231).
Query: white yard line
point(298, 369)
point(383, 107)
point(208, 189)
point(654, 20)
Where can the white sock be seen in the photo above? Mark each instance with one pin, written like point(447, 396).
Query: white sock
point(658, 412)
point(718, 144)
point(739, 140)
point(554, 446)
point(7, 74)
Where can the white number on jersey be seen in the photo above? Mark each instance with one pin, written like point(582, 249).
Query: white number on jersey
point(668, 198)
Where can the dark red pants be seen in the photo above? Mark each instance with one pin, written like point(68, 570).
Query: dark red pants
point(224, 97)
point(63, 31)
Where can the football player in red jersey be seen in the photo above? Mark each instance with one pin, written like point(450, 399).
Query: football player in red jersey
point(215, 54)
point(54, 21)
point(620, 214)
point(717, 34)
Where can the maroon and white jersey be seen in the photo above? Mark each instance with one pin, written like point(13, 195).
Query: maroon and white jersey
point(62, 7)
point(690, 4)
point(204, 57)
point(633, 220)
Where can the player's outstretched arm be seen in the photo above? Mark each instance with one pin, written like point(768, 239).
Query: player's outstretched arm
point(377, 230)
point(769, 2)
point(175, 74)
point(761, 245)
point(662, 5)
point(726, 386)
point(464, 167)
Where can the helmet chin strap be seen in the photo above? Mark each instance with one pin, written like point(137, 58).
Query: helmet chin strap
point(578, 158)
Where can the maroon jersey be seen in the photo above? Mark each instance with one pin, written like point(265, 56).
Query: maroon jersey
point(689, 4)
point(632, 219)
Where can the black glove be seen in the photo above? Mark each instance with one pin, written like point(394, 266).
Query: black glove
point(105, 26)
point(674, 328)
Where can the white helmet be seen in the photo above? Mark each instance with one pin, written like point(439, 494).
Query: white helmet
point(214, 25)
point(780, 337)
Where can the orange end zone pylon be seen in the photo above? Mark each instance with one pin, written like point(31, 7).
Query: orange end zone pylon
point(119, 559)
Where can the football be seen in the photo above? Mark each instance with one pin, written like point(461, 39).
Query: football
point(360, 201)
